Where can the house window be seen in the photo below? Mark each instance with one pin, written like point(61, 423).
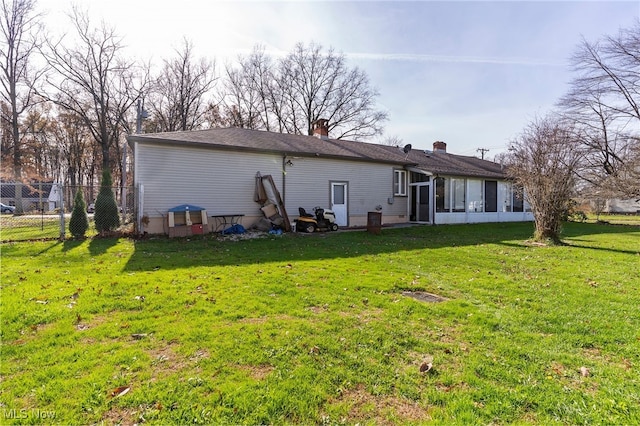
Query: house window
point(457, 194)
point(442, 195)
point(400, 183)
point(475, 195)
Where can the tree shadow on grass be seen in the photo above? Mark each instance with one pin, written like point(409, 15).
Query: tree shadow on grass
point(164, 253)
point(572, 231)
point(71, 244)
point(575, 229)
point(613, 250)
point(54, 245)
point(99, 246)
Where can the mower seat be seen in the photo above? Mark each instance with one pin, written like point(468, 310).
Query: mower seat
point(303, 213)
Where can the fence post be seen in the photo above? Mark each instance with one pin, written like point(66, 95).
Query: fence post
point(62, 225)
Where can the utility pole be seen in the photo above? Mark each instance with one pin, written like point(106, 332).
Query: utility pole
point(482, 151)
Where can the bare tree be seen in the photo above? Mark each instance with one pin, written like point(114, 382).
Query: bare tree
point(74, 146)
point(321, 85)
point(543, 160)
point(93, 81)
point(178, 98)
point(393, 140)
point(34, 128)
point(248, 90)
point(20, 40)
point(603, 103)
point(289, 94)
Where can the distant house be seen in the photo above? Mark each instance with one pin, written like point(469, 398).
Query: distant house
point(216, 169)
point(35, 196)
point(622, 206)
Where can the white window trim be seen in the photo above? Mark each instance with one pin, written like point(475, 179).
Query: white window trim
point(401, 190)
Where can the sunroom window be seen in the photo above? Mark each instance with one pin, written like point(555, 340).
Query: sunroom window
point(518, 199)
point(457, 194)
point(475, 202)
point(442, 195)
point(505, 196)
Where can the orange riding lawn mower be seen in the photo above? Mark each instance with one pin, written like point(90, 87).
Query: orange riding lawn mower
point(321, 220)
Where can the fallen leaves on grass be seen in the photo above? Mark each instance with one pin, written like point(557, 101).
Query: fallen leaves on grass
point(427, 364)
point(119, 391)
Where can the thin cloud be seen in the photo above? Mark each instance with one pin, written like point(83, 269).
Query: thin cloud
point(412, 57)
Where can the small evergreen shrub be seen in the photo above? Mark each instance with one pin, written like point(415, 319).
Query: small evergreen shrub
point(106, 216)
point(79, 222)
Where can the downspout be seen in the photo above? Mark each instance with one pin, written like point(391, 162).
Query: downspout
point(284, 179)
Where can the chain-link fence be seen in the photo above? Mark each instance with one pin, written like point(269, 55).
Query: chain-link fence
point(47, 207)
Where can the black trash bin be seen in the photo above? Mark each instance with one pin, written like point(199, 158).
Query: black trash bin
point(374, 222)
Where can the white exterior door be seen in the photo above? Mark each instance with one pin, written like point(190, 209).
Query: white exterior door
point(339, 202)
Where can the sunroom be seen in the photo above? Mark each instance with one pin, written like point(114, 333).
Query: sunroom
point(445, 188)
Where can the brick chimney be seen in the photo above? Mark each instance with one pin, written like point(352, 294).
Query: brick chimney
point(439, 146)
point(320, 128)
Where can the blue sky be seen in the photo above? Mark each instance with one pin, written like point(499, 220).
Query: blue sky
point(470, 73)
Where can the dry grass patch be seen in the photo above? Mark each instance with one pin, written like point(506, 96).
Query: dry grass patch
point(318, 309)
point(165, 360)
point(596, 355)
point(382, 409)
point(263, 319)
point(257, 372)
point(366, 316)
point(121, 416)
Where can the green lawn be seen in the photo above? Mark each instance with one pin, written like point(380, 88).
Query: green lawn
point(616, 219)
point(36, 227)
point(315, 329)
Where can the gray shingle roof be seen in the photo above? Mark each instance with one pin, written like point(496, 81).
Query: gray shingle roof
point(442, 163)
point(281, 143)
point(437, 163)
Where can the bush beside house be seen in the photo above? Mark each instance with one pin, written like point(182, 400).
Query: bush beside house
point(106, 216)
point(79, 222)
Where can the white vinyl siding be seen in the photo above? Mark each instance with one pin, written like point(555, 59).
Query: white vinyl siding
point(308, 184)
point(222, 182)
